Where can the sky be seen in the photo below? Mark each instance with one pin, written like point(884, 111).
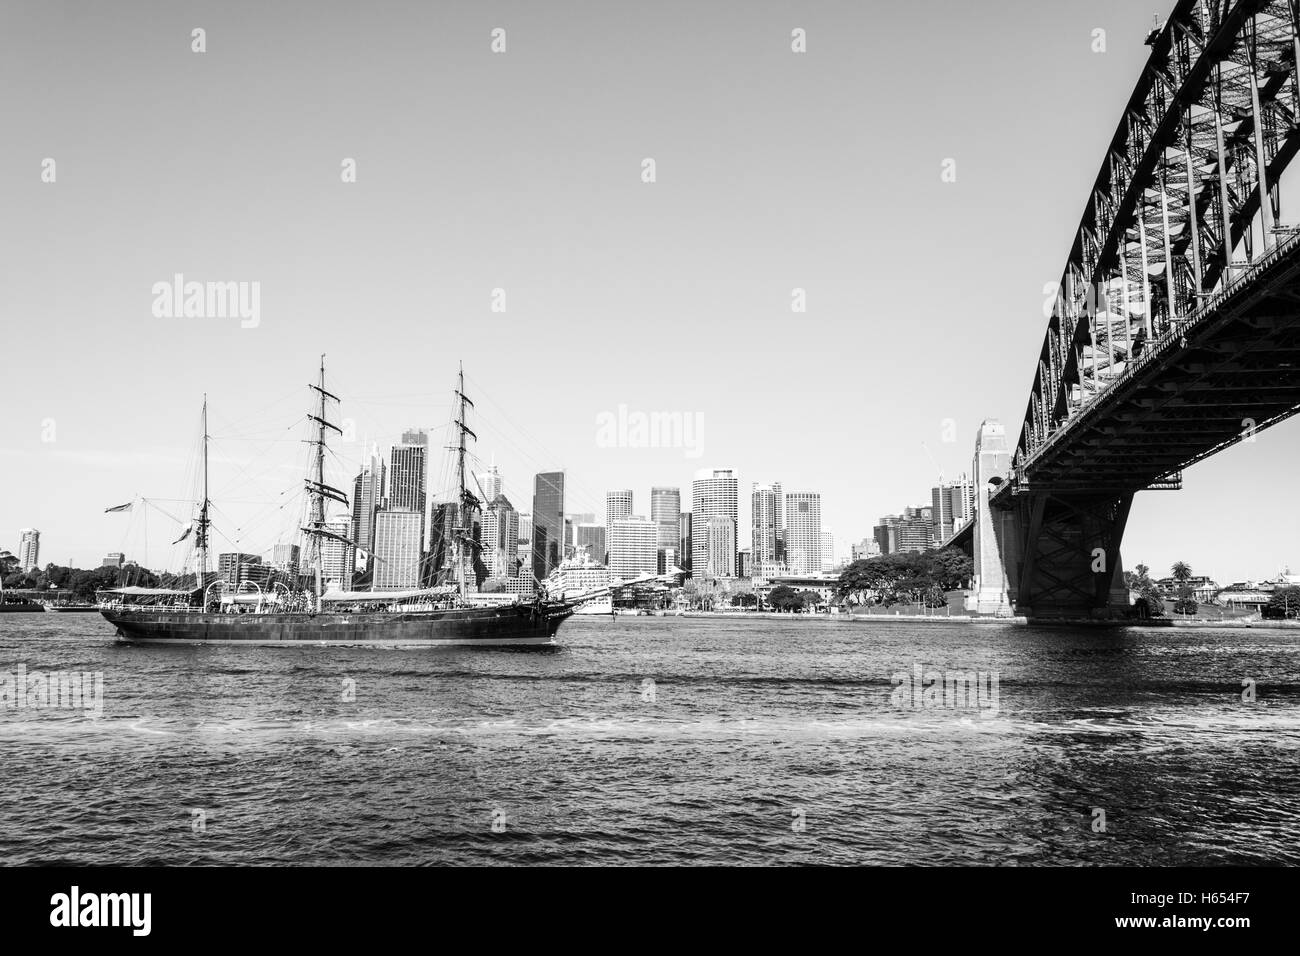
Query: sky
point(518, 177)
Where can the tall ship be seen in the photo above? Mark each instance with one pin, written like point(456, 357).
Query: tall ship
point(447, 612)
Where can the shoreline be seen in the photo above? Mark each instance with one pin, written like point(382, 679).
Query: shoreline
point(1227, 624)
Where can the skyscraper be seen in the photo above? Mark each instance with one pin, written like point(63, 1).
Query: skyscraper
point(718, 555)
point(803, 532)
point(367, 498)
point(633, 548)
point(287, 557)
point(397, 549)
point(548, 522)
point(714, 494)
point(590, 538)
point(767, 509)
point(490, 482)
point(406, 477)
point(828, 551)
point(618, 504)
point(500, 537)
point(29, 549)
point(338, 560)
point(684, 542)
point(665, 512)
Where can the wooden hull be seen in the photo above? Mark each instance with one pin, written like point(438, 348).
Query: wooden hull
point(508, 625)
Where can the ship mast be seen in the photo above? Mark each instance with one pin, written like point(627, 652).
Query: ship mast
point(466, 501)
point(317, 490)
point(204, 522)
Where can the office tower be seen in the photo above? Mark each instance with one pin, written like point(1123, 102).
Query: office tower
point(490, 483)
point(684, 542)
point(590, 538)
point(828, 551)
point(338, 560)
point(715, 549)
point(633, 548)
point(913, 530)
point(548, 522)
point(286, 557)
point(568, 537)
point(962, 492)
point(526, 534)
point(500, 538)
point(767, 510)
point(669, 560)
point(406, 477)
point(29, 549)
point(114, 559)
point(618, 504)
point(397, 549)
point(665, 512)
point(916, 530)
point(744, 562)
point(940, 514)
point(714, 494)
point(367, 498)
point(228, 565)
point(803, 532)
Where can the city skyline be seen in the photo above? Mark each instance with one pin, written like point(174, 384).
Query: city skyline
point(577, 242)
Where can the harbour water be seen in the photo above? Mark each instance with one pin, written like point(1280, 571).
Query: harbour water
point(661, 741)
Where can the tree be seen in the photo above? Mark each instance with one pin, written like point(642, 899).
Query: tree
point(783, 598)
point(744, 600)
point(1182, 572)
point(1284, 603)
point(1148, 603)
point(809, 600)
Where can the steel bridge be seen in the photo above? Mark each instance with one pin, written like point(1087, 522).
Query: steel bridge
point(1176, 330)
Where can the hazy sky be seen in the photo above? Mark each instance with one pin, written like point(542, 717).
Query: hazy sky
point(522, 171)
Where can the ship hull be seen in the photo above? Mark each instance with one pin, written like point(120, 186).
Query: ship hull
point(511, 625)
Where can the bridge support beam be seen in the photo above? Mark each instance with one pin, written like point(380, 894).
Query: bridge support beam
point(1045, 554)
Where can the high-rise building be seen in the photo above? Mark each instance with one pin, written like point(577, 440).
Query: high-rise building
point(913, 530)
point(367, 498)
point(633, 548)
point(618, 504)
point(29, 549)
point(406, 476)
point(228, 565)
point(500, 531)
point(715, 549)
point(590, 538)
point(828, 551)
point(684, 542)
point(338, 560)
point(397, 549)
point(490, 482)
point(767, 511)
point(665, 512)
point(951, 506)
point(548, 522)
point(803, 532)
point(744, 562)
point(525, 533)
point(714, 494)
point(286, 557)
point(114, 559)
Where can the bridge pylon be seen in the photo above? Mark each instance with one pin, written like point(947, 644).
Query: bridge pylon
point(1044, 553)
